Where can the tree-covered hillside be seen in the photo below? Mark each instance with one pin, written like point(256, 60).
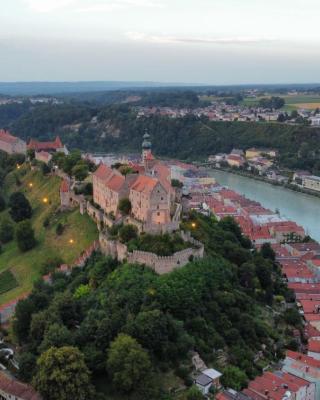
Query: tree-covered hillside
point(132, 329)
point(116, 128)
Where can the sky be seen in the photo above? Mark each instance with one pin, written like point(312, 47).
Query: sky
point(191, 41)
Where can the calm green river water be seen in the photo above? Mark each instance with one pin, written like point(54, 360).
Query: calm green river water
point(298, 207)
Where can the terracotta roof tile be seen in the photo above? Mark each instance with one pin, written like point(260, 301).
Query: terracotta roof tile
point(6, 136)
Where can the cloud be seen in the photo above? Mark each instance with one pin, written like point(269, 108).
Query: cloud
point(46, 6)
point(141, 37)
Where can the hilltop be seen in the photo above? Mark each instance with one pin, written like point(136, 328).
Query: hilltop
point(28, 267)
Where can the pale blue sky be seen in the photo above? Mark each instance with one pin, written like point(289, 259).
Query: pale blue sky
point(204, 41)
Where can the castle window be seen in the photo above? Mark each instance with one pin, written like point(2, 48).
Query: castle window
point(161, 198)
point(158, 214)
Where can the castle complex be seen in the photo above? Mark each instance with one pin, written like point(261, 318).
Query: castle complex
point(152, 198)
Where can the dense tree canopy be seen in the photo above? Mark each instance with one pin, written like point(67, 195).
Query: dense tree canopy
point(20, 207)
point(127, 320)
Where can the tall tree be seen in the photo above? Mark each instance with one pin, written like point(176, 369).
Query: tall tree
point(63, 375)
point(25, 236)
point(20, 207)
point(128, 363)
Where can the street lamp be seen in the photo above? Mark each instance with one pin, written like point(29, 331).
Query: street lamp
point(30, 185)
point(71, 241)
point(194, 225)
point(45, 200)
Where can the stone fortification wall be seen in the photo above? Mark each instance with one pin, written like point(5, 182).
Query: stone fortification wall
point(159, 264)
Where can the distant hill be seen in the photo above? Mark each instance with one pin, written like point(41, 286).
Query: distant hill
point(52, 88)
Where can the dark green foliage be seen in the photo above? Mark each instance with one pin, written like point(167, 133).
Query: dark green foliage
point(293, 317)
point(125, 206)
point(162, 245)
point(25, 236)
point(62, 375)
point(233, 377)
point(184, 138)
point(20, 207)
point(59, 229)
point(213, 304)
point(268, 252)
point(7, 281)
point(272, 102)
point(6, 230)
point(127, 233)
point(27, 366)
point(194, 394)
point(128, 363)
point(2, 203)
point(45, 168)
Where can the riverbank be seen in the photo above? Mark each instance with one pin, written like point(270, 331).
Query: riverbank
point(294, 206)
point(249, 175)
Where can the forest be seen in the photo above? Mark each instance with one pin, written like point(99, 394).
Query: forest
point(113, 328)
point(116, 128)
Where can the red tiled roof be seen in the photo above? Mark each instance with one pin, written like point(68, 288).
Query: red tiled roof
point(310, 306)
point(36, 145)
point(306, 247)
point(314, 345)
point(103, 172)
point(64, 187)
point(144, 184)
point(115, 183)
point(304, 287)
point(311, 331)
point(303, 358)
point(111, 178)
point(18, 389)
point(6, 136)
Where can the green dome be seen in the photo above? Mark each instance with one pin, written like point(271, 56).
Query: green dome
point(146, 144)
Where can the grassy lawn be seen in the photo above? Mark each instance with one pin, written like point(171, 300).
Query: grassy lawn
point(26, 267)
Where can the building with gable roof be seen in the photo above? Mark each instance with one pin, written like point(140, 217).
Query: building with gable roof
point(12, 389)
point(11, 144)
point(149, 190)
point(50, 147)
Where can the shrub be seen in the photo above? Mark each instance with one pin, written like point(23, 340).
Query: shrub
point(20, 207)
point(25, 236)
point(6, 231)
point(59, 229)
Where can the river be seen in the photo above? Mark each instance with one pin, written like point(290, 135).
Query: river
point(299, 207)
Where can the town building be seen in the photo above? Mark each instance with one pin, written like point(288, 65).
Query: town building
point(315, 121)
point(208, 378)
point(304, 367)
point(12, 389)
point(280, 385)
point(254, 152)
point(11, 144)
point(235, 160)
point(43, 156)
point(311, 182)
point(50, 147)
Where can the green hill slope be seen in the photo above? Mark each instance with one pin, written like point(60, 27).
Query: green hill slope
point(26, 267)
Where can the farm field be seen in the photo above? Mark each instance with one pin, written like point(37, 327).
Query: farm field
point(27, 267)
point(292, 102)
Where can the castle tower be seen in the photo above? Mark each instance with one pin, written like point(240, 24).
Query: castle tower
point(147, 156)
